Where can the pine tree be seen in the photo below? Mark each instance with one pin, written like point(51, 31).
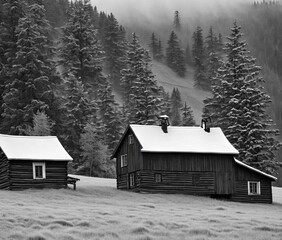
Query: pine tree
point(32, 73)
point(187, 116)
point(159, 54)
point(176, 104)
point(176, 21)
point(80, 52)
point(80, 111)
point(95, 156)
point(154, 46)
point(109, 116)
point(140, 91)
point(175, 55)
point(240, 103)
point(115, 49)
point(42, 125)
point(199, 56)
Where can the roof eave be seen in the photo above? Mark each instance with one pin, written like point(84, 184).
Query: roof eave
point(255, 170)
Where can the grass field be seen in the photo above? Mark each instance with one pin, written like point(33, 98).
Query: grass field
point(97, 210)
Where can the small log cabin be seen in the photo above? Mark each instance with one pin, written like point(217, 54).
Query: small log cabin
point(189, 160)
point(32, 162)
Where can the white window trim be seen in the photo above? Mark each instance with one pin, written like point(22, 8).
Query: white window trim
point(123, 160)
point(43, 165)
point(257, 190)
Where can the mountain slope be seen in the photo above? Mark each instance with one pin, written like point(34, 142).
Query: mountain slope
point(169, 79)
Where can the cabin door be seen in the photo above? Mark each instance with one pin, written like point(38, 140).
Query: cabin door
point(224, 183)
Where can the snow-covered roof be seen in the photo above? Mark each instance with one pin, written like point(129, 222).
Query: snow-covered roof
point(182, 139)
point(254, 169)
point(33, 148)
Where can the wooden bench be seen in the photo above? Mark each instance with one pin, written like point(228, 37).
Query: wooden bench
point(72, 180)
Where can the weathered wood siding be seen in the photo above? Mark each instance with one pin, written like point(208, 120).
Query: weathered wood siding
point(4, 171)
point(123, 181)
point(21, 175)
point(242, 176)
point(195, 183)
point(134, 159)
point(221, 165)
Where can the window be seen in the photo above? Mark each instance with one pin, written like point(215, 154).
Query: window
point(131, 179)
point(253, 188)
point(130, 139)
point(158, 177)
point(39, 170)
point(123, 161)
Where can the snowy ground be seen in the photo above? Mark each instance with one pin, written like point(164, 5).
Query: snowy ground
point(97, 210)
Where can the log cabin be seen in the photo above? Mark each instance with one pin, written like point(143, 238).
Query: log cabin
point(188, 160)
point(32, 162)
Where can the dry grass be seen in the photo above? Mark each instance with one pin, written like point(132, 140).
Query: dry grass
point(97, 210)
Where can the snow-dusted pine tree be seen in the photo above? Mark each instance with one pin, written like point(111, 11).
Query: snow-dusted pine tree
point(175, 55)
point(239, 106)
point(80, 51)
point(110, 116)
point(31, 72)
point(140, 90)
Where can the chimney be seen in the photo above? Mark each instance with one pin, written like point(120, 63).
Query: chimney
point(164, 122)
point(205, 124)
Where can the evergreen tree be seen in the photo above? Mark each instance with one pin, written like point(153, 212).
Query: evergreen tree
point(199, 56)
point(240, 103)
point(95, 156)
point(176, 21)
point(109, 116)
point(42, 125)
point(80, 52)
point(159, 54)
point(175, 55)
point(176, 104)
point(154, 46)
point(140, 91)
point(187, 116)
point(165, 102)
point(32, 73)
point(115, 49)
point(80, 111)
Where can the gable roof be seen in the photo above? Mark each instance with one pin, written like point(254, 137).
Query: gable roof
point(255, 170)
point(181, 140)
point(33, 148)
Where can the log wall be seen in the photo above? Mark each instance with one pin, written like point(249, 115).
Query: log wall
point(21, 175)
point(194, 183)
point(242, 176)
point(4, 172)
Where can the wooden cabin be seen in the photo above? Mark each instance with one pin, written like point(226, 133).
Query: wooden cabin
point(32, 162)
point(189, 160)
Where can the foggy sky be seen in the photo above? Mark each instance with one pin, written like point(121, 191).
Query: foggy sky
point(156, 9)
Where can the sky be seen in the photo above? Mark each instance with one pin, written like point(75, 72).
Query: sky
point(152, 8)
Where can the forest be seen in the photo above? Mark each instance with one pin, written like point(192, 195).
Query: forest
point(63, 62)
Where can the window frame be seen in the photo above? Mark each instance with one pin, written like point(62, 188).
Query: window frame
point(251, 188)
point(158, 178)
point(130, 139)
point(39, 164)
point(123, 160)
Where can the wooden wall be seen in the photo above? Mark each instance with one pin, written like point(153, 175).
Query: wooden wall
point(21, 175)
point(178, 182)
point(134, 156)
point(4, 171)
point(222, 165)
point(242, 176)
